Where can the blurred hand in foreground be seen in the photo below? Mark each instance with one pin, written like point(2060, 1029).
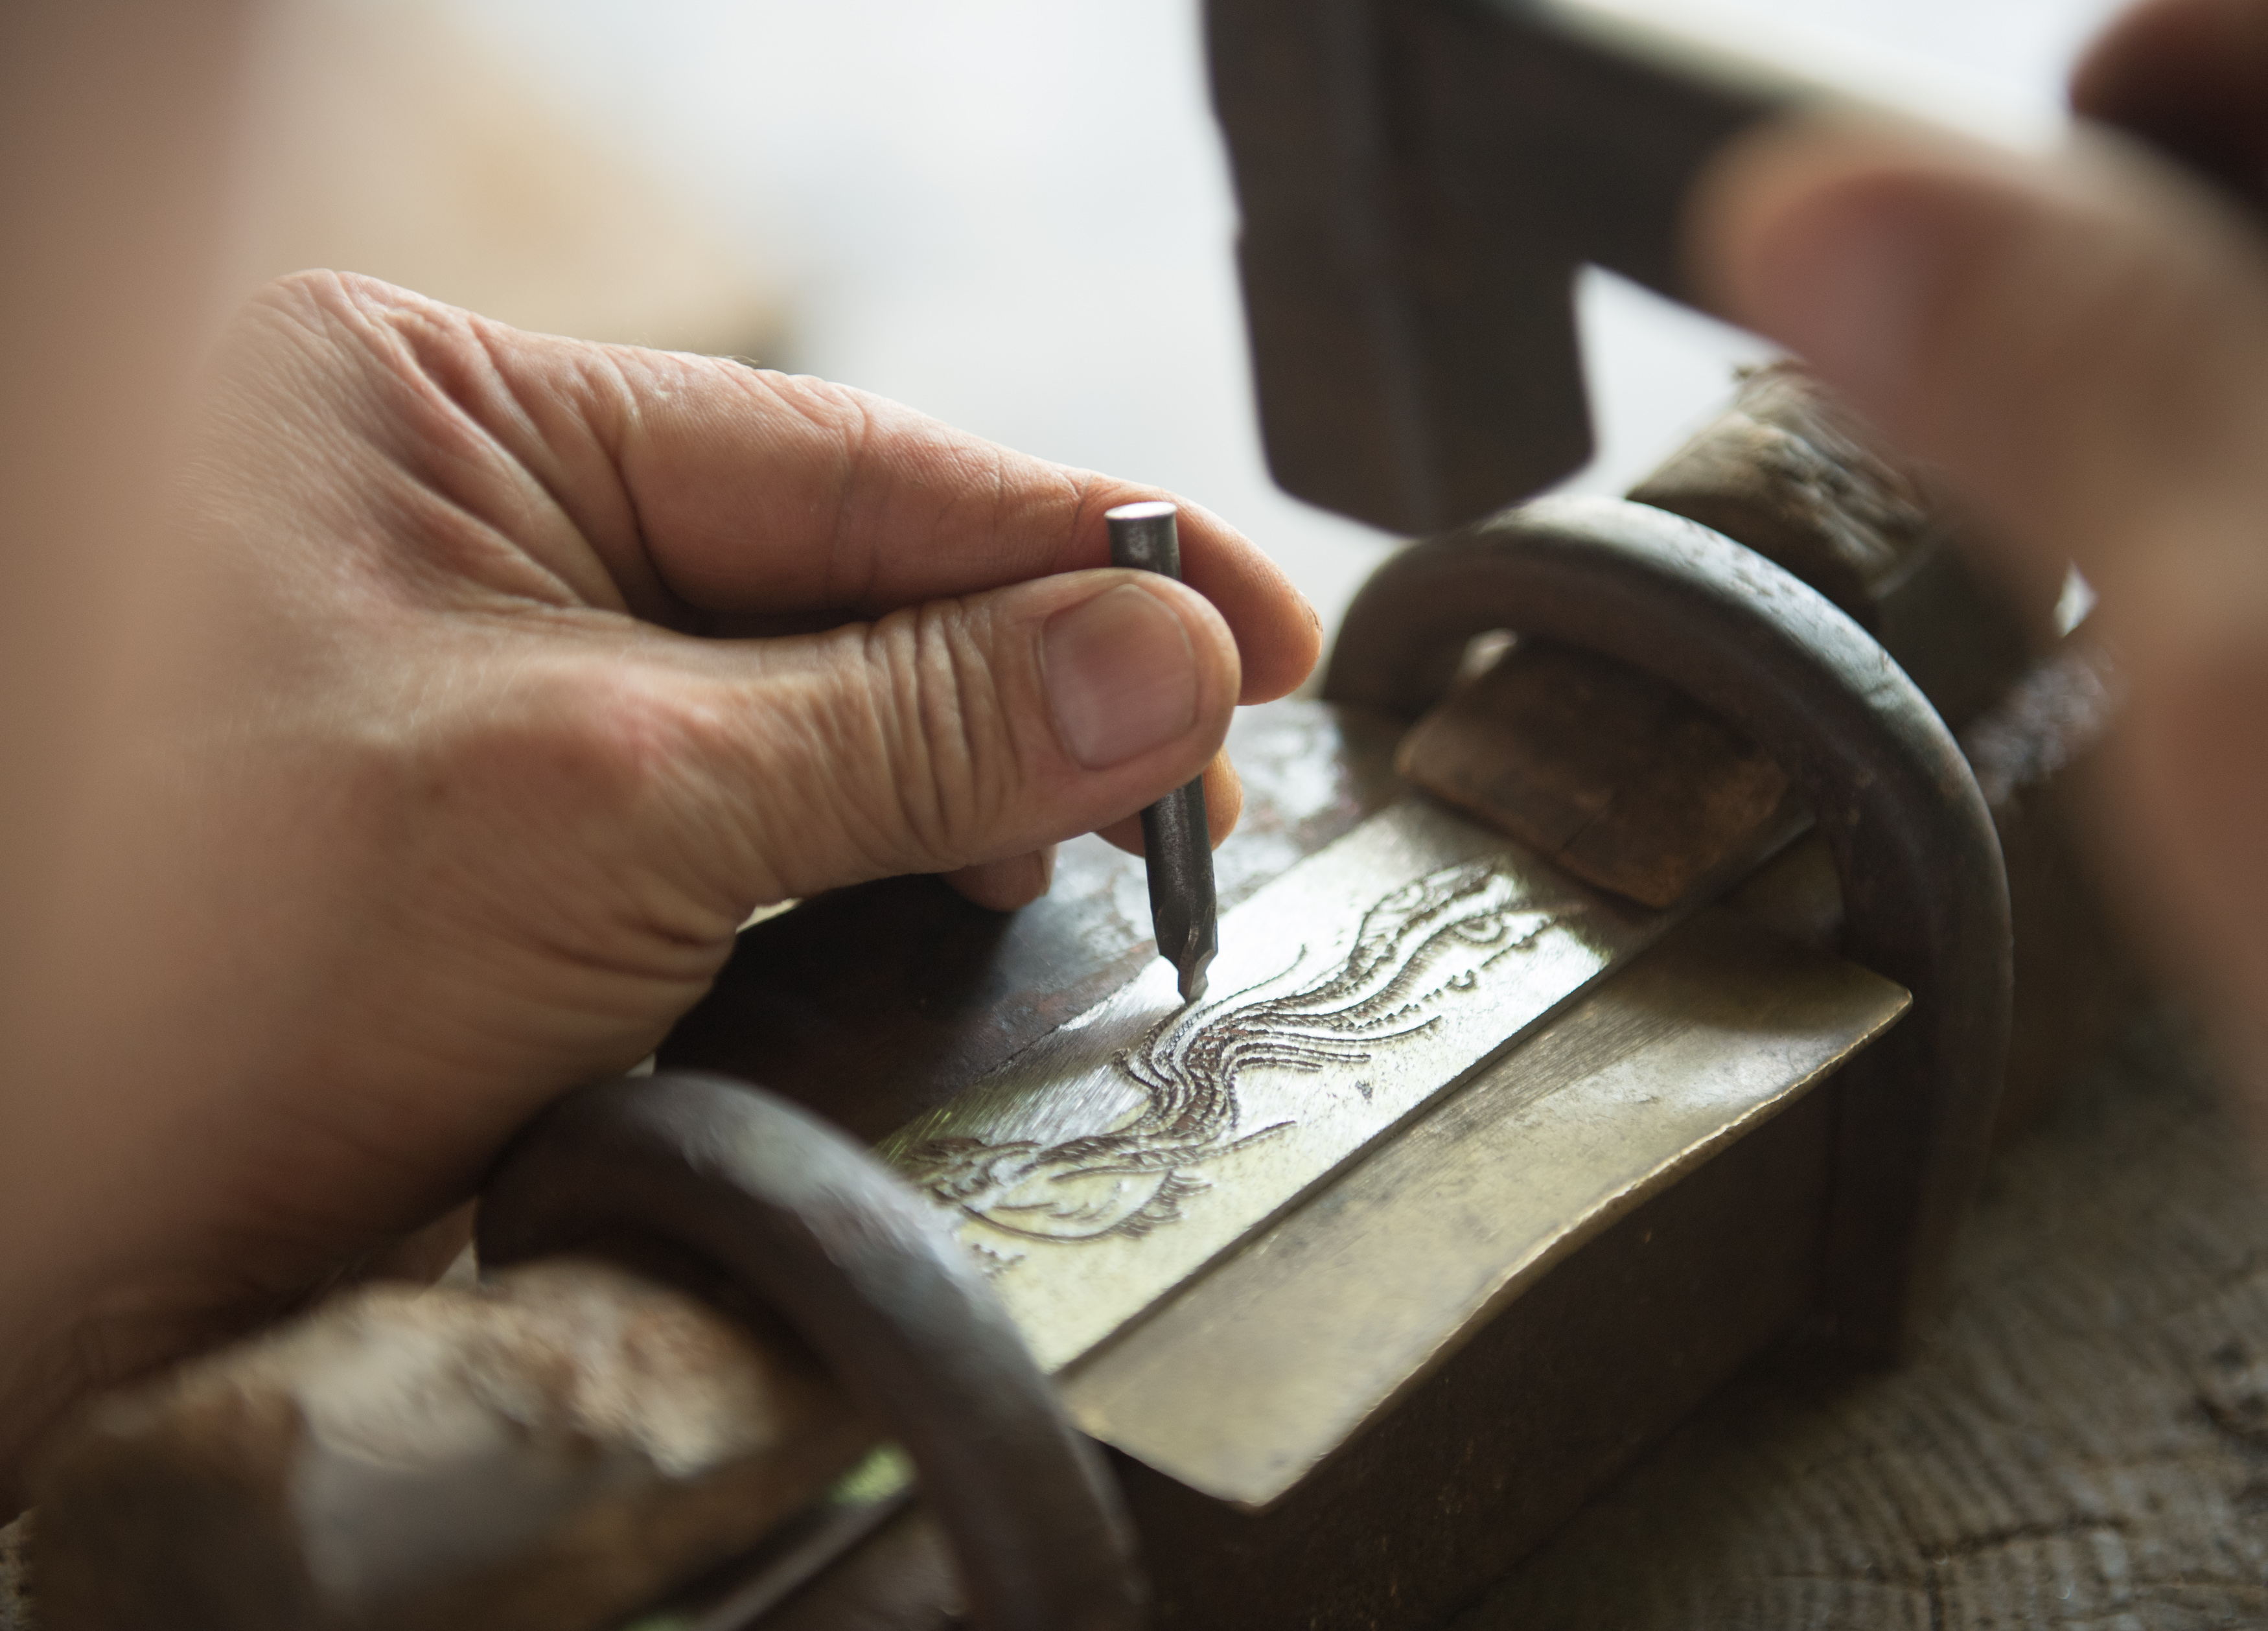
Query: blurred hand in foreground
point(501, 676)
point(2080, 344)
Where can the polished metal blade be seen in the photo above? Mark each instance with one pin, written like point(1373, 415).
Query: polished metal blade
point(1115, 1158)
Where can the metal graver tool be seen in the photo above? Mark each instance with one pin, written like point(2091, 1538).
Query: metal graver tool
point(1175, 836)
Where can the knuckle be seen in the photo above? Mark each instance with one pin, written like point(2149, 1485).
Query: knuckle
point(946, 749)
point(332, 305)
point(593, 782)
point(605, 745)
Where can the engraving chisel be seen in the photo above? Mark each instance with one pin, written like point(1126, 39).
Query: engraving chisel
point(1176, 843)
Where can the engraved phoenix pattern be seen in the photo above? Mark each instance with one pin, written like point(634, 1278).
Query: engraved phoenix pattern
point(1428, 943)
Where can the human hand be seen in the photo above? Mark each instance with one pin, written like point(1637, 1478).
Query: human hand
point(431, 800)
point(2081, 346)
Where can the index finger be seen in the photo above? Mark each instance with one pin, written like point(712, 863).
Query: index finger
point(749, 491)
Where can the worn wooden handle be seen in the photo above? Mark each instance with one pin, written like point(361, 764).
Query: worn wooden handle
point(553, 1450)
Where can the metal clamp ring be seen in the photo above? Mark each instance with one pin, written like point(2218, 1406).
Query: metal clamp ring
point(1926, 899)
point(811, 1224)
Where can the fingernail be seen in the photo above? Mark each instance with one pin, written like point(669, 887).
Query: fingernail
point(1847, 282)
point(1121, 676)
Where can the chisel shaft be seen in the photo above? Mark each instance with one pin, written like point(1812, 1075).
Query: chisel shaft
point(1175, 840)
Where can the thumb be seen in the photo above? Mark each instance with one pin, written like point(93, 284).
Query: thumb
point(2081, 346)
point(960, 732)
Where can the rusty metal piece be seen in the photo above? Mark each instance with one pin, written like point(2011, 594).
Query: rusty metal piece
point(809, 1225)
point(2079, 980)
point(1925, 896)
point(1789, 474)
point(1418, 181)
point(1792, 473)
point(1612, 774)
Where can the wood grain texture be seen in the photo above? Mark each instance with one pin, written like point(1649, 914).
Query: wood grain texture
point(1609, 773)
point(15, 1604)
point(2084, 1444)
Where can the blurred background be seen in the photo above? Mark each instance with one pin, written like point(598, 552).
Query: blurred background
point(1013, 215)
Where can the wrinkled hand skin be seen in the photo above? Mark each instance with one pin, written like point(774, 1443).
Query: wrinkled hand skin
point(2080, 344)
point(502, 676)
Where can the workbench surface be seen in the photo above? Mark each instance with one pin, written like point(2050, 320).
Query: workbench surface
point(2085, 1442)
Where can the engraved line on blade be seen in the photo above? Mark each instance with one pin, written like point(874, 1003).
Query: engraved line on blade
point(1131, 1177)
